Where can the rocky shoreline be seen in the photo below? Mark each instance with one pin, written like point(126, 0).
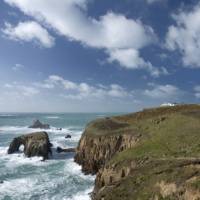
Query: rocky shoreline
point(151, 154)
point(37, 143)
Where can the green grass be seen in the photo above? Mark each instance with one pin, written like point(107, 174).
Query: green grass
point(177, 136)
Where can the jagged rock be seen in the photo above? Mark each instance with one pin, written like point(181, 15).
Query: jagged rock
point(68, 136)
point(69, 150)
point(35, 144)
point(38, 124)
point(1, 182)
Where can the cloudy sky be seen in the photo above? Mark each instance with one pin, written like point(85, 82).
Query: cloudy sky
point(98, 56)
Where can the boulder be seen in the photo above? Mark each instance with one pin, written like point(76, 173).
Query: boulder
point(35, 144)
point(68, 136)
point(38, 124)
point(69, 150)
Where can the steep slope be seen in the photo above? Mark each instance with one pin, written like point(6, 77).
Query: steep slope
point(153, 154)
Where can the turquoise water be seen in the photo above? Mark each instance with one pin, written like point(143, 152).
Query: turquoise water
point(58, 178)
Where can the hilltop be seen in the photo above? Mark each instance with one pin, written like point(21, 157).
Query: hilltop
point(152, 154)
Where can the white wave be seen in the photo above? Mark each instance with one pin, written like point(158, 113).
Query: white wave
point(25, 129)
point(16, 187)
point(52, 117)
point(7, 115)
point(82, 195)
point(13, 128)
point(17, 159)
point(75, 169)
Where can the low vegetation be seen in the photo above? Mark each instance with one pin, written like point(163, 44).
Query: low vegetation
point(163, 164)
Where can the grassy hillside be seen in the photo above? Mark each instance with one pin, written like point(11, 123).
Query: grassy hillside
point(164, 163)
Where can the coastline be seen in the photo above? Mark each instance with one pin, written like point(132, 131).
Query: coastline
point(136, 155)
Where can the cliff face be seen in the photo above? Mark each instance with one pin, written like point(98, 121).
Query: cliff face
point(153, 154)
point(92, 153)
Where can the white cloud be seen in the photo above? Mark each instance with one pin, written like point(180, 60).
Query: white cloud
point(73, 90)
point(29, 31)
point(185, 36)
point(59, 80)
point(131, 59)
point(68, 17)
point(111, 32)
point(163, 92)
point(21, 90)
point(197, 91)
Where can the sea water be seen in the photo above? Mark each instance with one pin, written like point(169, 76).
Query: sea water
point(58, 178)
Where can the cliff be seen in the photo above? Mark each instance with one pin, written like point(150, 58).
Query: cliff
point(152, 154)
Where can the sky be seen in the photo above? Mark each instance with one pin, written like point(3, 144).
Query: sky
point(98, 56)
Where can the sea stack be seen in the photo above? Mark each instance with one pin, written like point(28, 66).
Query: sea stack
point(35, 144)
point(38, 124)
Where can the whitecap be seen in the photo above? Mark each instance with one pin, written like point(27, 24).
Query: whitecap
point(14, 129)
point(16, 187)
point(7, 115)
point(73, 168)
point(82, 195)
point(17, 159)
point(52, 117)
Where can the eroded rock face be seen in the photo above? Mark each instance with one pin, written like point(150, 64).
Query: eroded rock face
point(69, 150)
point(92, 153)
point(35, 144)
point(38, 124)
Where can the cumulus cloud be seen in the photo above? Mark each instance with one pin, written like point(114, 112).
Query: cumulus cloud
point(29, 31)
point(83, 90)
point(111, 32)
point(185, 36)
point(167, 92)
point(131, 59)
point(21, 90)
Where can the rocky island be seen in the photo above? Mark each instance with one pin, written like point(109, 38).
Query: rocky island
point(35, 144)
point(149, 155)
point(39, 125)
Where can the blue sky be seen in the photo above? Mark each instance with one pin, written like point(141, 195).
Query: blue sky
point(98, 56)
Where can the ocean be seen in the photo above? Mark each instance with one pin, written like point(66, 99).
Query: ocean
point(58, 178)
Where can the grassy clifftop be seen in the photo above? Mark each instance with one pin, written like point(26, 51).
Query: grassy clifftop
point(152, 154)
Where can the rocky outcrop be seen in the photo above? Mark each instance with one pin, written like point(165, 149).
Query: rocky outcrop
point(92, 153)
point(68, 136)
point(35, 144)
point(68, 150)
point(38, 124)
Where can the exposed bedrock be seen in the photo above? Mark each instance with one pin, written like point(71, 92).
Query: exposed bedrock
point(68, 150)
point(35, 144)
point(93, 152)
point(38, 124)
